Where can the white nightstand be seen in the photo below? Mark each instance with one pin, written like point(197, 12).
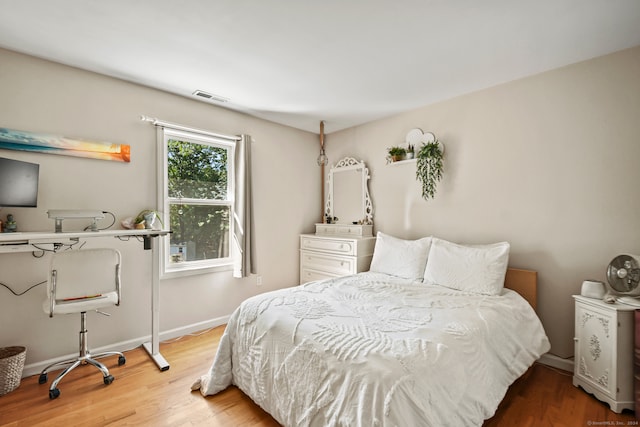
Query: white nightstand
point(604, 351)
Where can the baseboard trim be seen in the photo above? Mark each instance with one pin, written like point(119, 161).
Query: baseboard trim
point(556, 362)
point(37, 367)
point(193, 328)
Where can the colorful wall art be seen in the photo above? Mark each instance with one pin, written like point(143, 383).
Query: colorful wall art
point(27, 141)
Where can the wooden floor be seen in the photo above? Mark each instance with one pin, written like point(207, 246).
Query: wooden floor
point(141, 395)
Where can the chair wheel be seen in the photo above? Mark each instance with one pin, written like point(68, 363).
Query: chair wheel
point(122, 360)
point(54, 393)
point(108, 379)
point(42, 378)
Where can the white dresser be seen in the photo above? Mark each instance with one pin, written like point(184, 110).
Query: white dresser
point(604, 351)
point(331, 254)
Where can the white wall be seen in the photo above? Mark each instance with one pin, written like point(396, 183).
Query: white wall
point(550, 163)
point(41, 96)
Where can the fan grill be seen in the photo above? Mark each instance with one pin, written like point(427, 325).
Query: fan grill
point(623, 275)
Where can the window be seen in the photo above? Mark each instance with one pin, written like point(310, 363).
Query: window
point(197, 191)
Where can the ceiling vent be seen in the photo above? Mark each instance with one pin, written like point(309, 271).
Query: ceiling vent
point(210, 96)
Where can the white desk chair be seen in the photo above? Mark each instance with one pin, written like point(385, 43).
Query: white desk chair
point(80, 281)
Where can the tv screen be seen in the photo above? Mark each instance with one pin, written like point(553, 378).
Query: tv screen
point(18, 183)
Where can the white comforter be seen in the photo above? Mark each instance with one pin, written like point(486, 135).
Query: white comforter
point(374, 350)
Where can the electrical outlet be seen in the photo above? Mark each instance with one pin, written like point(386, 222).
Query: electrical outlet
point(258, 280)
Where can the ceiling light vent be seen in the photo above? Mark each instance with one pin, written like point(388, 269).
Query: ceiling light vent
point(210, 96)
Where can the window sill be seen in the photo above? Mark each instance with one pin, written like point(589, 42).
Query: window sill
point(193, 271)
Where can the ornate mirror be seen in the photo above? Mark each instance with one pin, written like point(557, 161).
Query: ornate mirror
point(348, 199)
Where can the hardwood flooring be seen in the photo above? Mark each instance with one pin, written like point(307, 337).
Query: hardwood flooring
point(141, 395)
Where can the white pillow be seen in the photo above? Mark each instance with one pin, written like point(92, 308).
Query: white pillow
point(401, 258)
point(477, 269)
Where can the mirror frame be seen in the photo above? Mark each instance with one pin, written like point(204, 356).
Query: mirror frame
point(344, 165)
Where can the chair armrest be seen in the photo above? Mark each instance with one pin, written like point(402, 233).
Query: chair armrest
point(52, 292)
point(118, 288)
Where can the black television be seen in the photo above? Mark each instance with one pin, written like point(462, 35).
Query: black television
point(18, 183)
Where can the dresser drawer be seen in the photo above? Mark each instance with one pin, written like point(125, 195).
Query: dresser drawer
point(308, 275)
point(323, 256)
point(355, 230)
point(329, 263)
point(334, 246)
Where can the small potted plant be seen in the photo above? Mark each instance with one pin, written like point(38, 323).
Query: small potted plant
point(429, 167)
point(146, 218)
point(396, 153)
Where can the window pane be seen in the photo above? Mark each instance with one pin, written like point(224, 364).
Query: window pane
point(199, 232)
point(196, 171)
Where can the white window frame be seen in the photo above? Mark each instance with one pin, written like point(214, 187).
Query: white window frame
point(170, 270)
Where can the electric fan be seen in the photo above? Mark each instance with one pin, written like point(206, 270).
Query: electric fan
point(623, 275)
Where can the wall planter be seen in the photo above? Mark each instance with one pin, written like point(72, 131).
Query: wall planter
point(428, 159)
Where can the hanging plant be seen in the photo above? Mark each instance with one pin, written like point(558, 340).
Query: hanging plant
point(429, 167)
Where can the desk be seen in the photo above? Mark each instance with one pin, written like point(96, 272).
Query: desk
point(42, 240)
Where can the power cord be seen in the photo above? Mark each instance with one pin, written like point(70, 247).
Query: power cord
point(113, 221)
point(57, 247)
point(23, 292)
point(127, 238)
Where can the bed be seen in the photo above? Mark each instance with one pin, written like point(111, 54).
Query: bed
point(394, 346)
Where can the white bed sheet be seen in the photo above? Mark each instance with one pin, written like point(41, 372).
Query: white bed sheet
point(376, 350)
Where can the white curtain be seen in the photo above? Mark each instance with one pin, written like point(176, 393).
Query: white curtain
point(243, 234)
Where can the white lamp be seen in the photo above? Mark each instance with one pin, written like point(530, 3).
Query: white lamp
point(59, 214)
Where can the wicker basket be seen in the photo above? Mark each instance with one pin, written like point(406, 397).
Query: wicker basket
point(11, 365)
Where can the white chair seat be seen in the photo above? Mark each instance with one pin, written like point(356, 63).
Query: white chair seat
point(79, 305)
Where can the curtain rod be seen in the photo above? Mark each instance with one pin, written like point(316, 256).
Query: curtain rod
point(174, 126)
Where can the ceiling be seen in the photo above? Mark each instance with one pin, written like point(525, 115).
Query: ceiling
point(297, 62)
